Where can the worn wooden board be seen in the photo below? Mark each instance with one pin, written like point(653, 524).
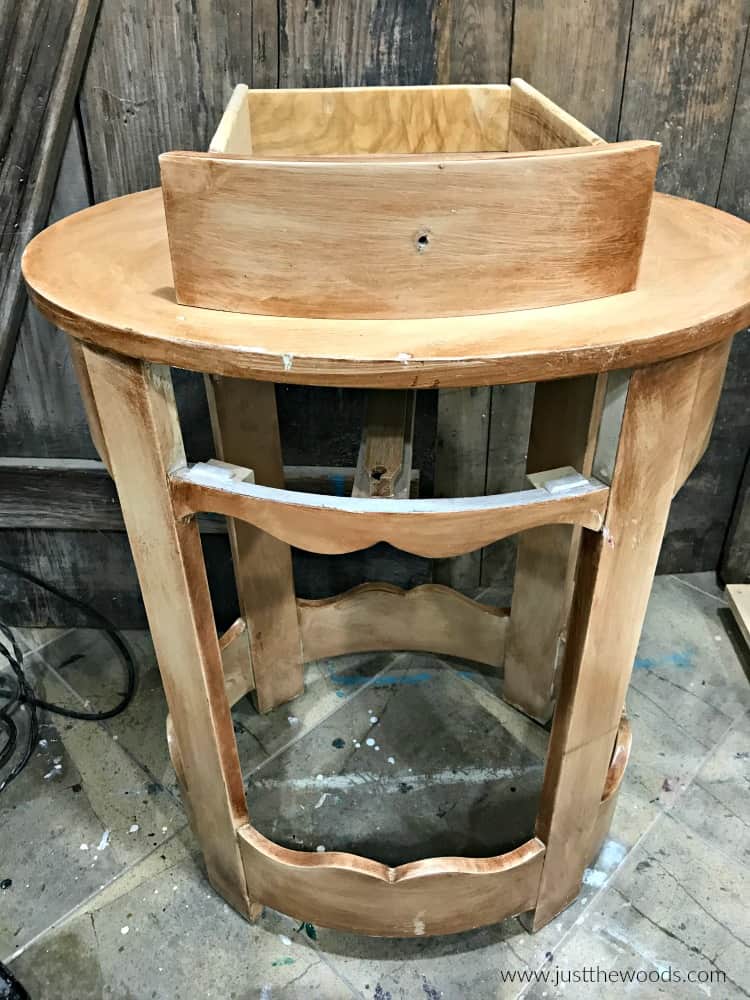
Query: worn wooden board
point(575, 54)
point(734, 196)
point(131, 112)
point(681, 84)
point(42, 50)
point(735, 563)
point(360, 43)
point(41, 412)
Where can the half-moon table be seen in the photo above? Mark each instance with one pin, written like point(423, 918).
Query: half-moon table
point(627, 387)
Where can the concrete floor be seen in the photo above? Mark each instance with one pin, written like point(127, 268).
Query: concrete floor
point(108, 898)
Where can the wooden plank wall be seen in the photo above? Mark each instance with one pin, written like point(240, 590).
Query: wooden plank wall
point(158, 76)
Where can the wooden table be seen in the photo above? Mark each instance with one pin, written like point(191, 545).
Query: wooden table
point(627, 390)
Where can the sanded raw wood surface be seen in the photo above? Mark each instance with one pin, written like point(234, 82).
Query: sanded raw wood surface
point(236, 661)
point(233, 133)
point(434, 528)
point(707, 392)
point(536, 122)
point(693, 289)
point(406, 237)
point(246, 432)
point(136, 406)
point(614, 579)
point(377, 616)
point(350, 120)
point(564, 428)
point(434, 896)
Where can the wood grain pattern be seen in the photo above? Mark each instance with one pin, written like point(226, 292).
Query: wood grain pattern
point(575, 53)
point(349, 43)
point(132, 113)
point(236, 661)
point(385, 451)
point(614, 580)
point(435, 896)
point(40, 410)
point(420, 231)
point(693, 290)
point(536, 122)
point(463, 419)
point(683, 68)
point(42, 51)
point(473, 40)
point(350, 121)
point(246, 432)
point(708, 390)
point(137, 410)
point(374, 616)
point(432, 528)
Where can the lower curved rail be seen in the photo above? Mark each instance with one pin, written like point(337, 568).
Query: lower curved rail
point(428, 897)
point(435, 896)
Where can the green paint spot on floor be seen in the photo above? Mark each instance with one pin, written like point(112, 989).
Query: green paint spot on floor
point(286, 960)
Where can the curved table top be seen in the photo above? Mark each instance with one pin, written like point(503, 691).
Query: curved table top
point(104, 275)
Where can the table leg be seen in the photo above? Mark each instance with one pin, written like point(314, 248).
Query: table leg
point(563, 432)
point(136, 407)
point(615, 573)
point(246, 432)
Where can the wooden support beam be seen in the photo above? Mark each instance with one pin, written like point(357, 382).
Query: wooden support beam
point(385, 452)
point(564, 428)
point(246, 432)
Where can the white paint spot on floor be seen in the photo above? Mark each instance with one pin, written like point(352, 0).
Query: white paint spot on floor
point(611, 854)
point(286, 941)
point(104, 841)
point(321, 848)
point(391, 760)
point(134, 828)
point(376, 747)
point(373, 719)
point(594, 877)
point(370, 741)
point(321, 800)
point(265, 992)
point(83, 847)
point(124, 930)
point(403, 356)
point(292, 720)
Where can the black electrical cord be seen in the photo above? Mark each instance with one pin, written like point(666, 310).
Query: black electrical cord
point(20, 693)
